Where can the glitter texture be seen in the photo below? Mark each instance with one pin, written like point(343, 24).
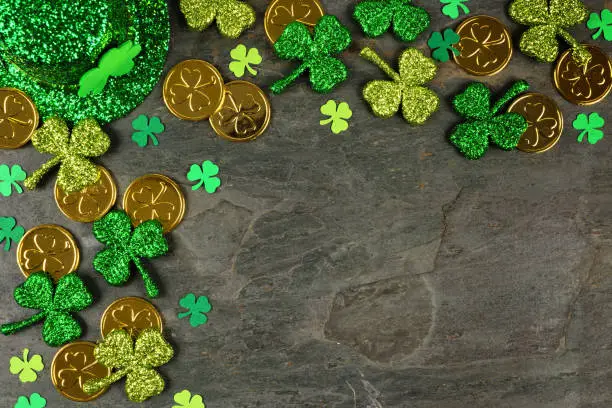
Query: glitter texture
point(76, 171)
point(136, 361)
point(295, 43)
point(547, 21)
point(376, 16)
point(55, 304)
point(233, 16)
point(415, 69)
point(124, 247)
point(474, 104)
point(39, 56)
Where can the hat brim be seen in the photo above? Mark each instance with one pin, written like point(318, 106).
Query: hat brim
point(150, 29)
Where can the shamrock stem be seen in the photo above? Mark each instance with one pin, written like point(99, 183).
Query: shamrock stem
point(150, 286)
point(197, 186)
point(95, 385)
point(35, 177)
point(183, 315)
point(11, 328)
point(517, 88)
point(154, 139)
point(251, 70)
point(17, 187)
point(374, 58)
point(581, 136)
point(580, 54)
point(280, 85)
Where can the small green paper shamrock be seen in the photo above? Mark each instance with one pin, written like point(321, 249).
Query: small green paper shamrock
point(10, 232)
point(146, 128)
point(35, 401)
point(590, 127)
point(376, 16)
point(205, 175)
point(442, 44)
point(9, 178)
point(115, 62)
point(185, 400)
point(233, 16)
point(243, 60)
point(26, 368)
point(338, 115)
point(452, 8)
point(602, 23)
point(196, 309)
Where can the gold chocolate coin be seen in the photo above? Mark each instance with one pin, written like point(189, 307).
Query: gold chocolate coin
point(91, 203)
point(155, 197)
point(72, 366)
point(282, 12)
point(545, 122)
point(485, 46)
point(586, 84)
point(18, 118)
point(131, 314)
point(193, 90)
point(245, 113)
point(48, 248)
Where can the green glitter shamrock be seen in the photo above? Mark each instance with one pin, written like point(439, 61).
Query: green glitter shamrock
point(548, 21)
point(9, 178)
point(146, 129)
point(590, 127)
point(243, 59)
point(451, 9)
point(55, 304)
point(124, 246)
point(115, 62)
point(35, 401)
point(295, 43)
point(442, 44)
point(134, 360)
point(71, 152)
point(205, 175)
point(385, 97)
point(602, 23)
point(233, 16)
point(196, 309)
point(376, 16)
point(185, 400)
point(474, 104)
point(338, 115)
point(10, 232)
point(26, 368)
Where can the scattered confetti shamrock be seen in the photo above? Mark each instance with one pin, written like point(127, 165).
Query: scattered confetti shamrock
point(243, 60)
point(10, 232)
point(197, 309)
point(146, 128)
point(35, 401)
point(590, 127)
point(474, 104)
point(602, 23)
point(385, 97)
point(26, 368)
point(115, 62)
point(124, 246)
point(135, 360)
point(185, 400)
point(205, 175)
point(233, 16)
point(295, 43)
point(442, 44)
point(548, 22)
point(55, 304)
point(451, 9)
point(338, 115)
point(71, 152)
point(376, 16)
point(9, 178)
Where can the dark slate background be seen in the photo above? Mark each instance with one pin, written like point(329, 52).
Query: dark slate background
point(375, 268)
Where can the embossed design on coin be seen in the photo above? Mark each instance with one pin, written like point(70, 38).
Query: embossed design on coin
point(131, 314)
point(18, 118)
point(544, 119)
point(282, 12)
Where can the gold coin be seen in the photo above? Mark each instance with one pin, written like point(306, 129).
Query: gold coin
point(155, 197)
point(282, 12)
point(485, 46)
point(91, 203)
point(18, 118)
point(193, 90)
point(245, 113)
point(131, 314)
point(48, 248)
point(72, 366)
point(545, 122)
point(586, 84)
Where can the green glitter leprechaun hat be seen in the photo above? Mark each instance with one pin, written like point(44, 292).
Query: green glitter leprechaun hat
point(47, 47)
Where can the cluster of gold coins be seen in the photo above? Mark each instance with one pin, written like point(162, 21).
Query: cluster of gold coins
point(486, 49)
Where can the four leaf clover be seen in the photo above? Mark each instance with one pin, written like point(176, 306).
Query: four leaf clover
point(10, 232)
point(451, 9)
point(243, 60)
point(590, 127)
point(35, 401)
point(233, 16)
point(9, 178)
point(26, 368)
point(185, 400)
point(205, 175)
point(376, 16)
point(442, 44)
point(338, 115)
point(197, 309)
point(146, 128)
point(602, 23)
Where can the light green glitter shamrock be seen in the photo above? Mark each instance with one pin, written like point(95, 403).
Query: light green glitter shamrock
point(243, 59)
point(26, 368)
point(35, 401)
point(10, 231)
point(185, 400)
point(197, 309)
point(233, 16)
point(602, 23)
point(452, 8)
point(9, 178)
point(146, 128)
point(590, 127)
point(205, 176)
point(442, 44)
point(338, 115)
